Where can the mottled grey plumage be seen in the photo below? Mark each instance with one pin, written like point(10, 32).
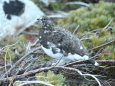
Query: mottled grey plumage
point(64, 40)
point(60, 38)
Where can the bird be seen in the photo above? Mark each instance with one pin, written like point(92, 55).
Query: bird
point(59, 43)
point(17, 14)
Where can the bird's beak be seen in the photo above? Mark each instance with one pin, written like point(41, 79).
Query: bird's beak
point(40, 22)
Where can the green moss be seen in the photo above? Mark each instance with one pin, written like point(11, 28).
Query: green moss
point(56, 6)
point(96, 16)
point(108, 53)
point(52, 6)
point(17, 44)
point(50, 77)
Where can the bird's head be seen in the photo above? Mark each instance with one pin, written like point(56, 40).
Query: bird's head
point(45, 22)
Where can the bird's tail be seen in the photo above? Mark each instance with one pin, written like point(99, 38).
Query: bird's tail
point(87, 58)
point(93, 62)
point(82, 58)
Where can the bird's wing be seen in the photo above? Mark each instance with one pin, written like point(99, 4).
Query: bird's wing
point(68, 42)
point(54, 47)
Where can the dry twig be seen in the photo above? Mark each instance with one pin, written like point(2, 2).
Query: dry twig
point(103, 45)
point(112, 62)
point(32, 82)
point(20, 60)
point(33, 72)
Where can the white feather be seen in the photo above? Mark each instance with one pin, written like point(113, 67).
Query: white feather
point(50, 53)
point(64, 59)
point(74, 57)
point(81, 47)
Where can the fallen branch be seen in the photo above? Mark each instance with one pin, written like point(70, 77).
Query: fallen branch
point(33, 72)
point(78, 3)
point(112, 62)
point(19, 61)
point(108, 24)
point(30, 33)
point(103, 45)
point(76, 63)
point(32, 82)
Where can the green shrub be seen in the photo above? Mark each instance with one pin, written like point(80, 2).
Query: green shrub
point(89, 18)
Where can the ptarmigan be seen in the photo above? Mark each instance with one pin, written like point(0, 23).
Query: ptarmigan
point(61, 44)
point(17, 14)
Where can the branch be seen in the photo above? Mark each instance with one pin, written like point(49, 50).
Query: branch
point(108, 24)
point(31, 33)
point(112, 62)
point(76, 63)
point(32, 82)
point(33, 72)
point(103, 45)
point(78, 3)
point(18, 62)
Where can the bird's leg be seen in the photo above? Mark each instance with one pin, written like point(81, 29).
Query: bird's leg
point(59, 62)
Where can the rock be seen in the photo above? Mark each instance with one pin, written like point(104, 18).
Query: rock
point(17, 14)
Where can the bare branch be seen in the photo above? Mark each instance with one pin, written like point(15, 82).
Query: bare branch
point(30, 33)
point(103, 45)
point(20, 60)
point(112, 62)
point(108, 24)
point(77, 2)
point(32, 82)
point(76, 29)
point(76, 63)
point(33, 72)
